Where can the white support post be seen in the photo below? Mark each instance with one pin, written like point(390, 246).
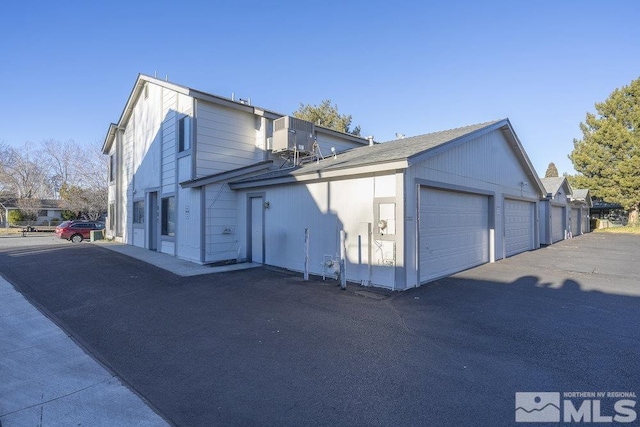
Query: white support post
point(343, 264)
point(306, 254)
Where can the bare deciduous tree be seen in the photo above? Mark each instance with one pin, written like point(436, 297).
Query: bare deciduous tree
point(77, 174)
point(24, 173)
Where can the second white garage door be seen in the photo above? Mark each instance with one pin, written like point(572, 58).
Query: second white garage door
point(518, 226)
point(575, 222)
point(557, 223)
point(454, 232)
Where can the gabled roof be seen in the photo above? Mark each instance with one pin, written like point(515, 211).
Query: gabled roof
point(553, 184)
point(581, 195)
point(139, 86)
point(197, 94)
point(393, 155)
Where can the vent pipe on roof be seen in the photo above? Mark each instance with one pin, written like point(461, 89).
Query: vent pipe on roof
point(370, 138)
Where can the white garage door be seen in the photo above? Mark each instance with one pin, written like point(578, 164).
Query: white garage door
point(454, 232)
point(518, 226)
point(575, 222)
point(557, 223)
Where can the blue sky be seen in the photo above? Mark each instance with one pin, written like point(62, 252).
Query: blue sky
point(408, 67)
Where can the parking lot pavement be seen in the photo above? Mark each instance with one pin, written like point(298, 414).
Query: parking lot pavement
point(47, 379)
point(263, 347)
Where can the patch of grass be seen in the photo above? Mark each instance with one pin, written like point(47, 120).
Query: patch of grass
point(627, 229)
point(10, 231)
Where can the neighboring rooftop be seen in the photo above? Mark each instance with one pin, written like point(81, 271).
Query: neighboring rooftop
point(553, 184)
point(12, 202)
point(580, 193)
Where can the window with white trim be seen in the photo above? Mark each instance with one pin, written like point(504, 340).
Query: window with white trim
point(138, 212)
point(184, 134)
point(168, 212)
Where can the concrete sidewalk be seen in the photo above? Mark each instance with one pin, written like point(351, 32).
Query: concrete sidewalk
point(46, 379)
point(170, 263)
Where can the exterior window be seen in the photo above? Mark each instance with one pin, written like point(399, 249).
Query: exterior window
point(184, 134)
point(138, 212)
point(169, 216)
point(112, 167)
point(112, 216)
point(42, 213)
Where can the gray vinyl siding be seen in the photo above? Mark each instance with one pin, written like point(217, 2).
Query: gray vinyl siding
point(221, 234)
point(226, 139)
point(326, 141)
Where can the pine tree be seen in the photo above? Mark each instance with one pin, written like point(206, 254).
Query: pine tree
point(607, 158)
point(552, 171)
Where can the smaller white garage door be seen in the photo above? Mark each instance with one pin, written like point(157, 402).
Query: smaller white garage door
point(575, 222)
point(454, 232)
point(518, 226)
point(557, 223)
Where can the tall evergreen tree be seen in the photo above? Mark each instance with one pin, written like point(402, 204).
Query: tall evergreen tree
point(607, 158)
point(552, 171)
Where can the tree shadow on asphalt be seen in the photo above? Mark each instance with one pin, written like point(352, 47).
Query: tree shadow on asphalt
point(263, 347)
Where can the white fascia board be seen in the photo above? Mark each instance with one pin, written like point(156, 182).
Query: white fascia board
point(108, 140)
point(218, 100)
point(225, 176)
point(320, 175)
point(343, 135)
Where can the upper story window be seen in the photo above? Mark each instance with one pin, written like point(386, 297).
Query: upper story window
point(184, 134)
point(138, 212)
point(112, 167)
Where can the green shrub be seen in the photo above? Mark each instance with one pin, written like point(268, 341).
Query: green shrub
point(68, 215)
point(15, 216)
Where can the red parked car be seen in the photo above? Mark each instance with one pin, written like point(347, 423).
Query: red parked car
point(77, 231)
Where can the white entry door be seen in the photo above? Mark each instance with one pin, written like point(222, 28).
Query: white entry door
point(257, 230)
point(454, 232)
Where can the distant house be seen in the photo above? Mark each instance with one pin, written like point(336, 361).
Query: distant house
point(554, 210)
point(46, 210)
point(580, 211)
point(215, 180)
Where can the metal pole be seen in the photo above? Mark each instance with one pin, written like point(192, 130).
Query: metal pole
point(306, 254)
point(343, 265)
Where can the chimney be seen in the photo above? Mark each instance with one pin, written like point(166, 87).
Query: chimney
point(370, 138)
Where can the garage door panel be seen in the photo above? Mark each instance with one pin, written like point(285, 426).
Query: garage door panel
point(454, 232)
point(557, 223)
point(518, 226)
point(575, 221)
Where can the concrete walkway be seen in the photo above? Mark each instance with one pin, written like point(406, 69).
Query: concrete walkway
point(170, 263)
point(46, 379)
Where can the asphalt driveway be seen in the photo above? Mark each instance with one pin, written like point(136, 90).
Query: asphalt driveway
point(262, 347)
